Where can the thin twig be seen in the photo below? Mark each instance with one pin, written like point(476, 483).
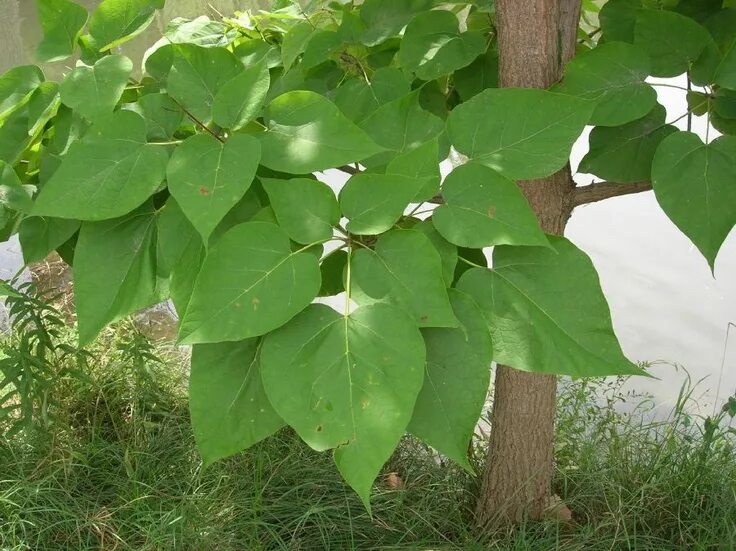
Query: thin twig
point(599, 191)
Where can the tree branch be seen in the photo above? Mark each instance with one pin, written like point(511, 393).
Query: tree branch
point(350, 169)
point(599, 191)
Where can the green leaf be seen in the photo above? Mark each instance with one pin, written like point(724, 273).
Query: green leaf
point(251, 52)
point(14, 195)
point(546, 311)
point(40, 235)
point(406, 270)
point(612, 75)
point(94, 91)
point(308, 133)
point(42, 106)
point(106, 174)
point(14, 138)
point(241, 99)
point(332, 269)
point(433, 45)
point(624, 153)
point(446, 250)
point(197, 75)
point(357, 98)
point(694, 185)
point(16, 86)
point(374, 202)
point(306, 209)
point(419, 163)
point(385, 19)
point(456, 381)
point(672, 41)
point(208, 177)
point(402, 125)
point(523, 133)
point(114, 22)
point(162, 114)
point(61, 21)
point(295, 42)
point(618, 19)
point(115, 270)
point(346, 382)
point(478, 76)
point(483, 208)
point(228, 406)
point(251, 283)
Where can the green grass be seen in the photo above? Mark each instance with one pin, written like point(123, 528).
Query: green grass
point(116, 468)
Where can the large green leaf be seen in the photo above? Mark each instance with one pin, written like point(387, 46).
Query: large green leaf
point(402, 125)
point(106, 174)
point(346, 382)
point(694, 185)
point(373, 203)
point(115, 270)
point(447, 251)
point(198, 74)
point(208, 177)
point(114, 22)
point(14, 138)
point(40, 235)
point(456, 382)
point(16, 85)
point(406, 270)
point(61, 21)
point(483, 208)
point(163, 116)
point(306, 209)
point(228, 406)
point(624, 153)
point(332, 269)
point(358, 98)
point(384, 19)
point(420, 163)
point(612, 75)
point(522, 133)
point(672, 41)
point(618, 20)
point(546, 311)
point(308, 133)
point(251, 283)
point(433, 45)
point(240, 100)
point(295, 42)
point(94, 91)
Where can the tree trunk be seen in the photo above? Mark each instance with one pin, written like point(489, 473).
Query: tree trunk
point(11, 43)
point(536, 38)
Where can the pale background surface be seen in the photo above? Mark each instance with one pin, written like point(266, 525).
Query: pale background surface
point(665, 303)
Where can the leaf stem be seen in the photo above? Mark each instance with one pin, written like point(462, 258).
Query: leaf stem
point(470, 262)
point(348, 276)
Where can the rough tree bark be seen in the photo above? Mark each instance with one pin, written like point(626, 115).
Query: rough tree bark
point(536, 38)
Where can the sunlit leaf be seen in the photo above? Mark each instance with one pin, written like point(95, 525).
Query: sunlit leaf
point(94, 91)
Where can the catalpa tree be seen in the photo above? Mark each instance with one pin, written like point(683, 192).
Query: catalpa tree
point(201, 181)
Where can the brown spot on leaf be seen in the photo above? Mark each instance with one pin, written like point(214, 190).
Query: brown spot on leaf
point(204, 191)
point(255, 302)
point(491, 211)
point(319, 428)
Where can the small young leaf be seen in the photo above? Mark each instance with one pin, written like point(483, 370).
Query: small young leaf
point(208, 177)
point(346, 382)
point(521, 133)
point(251, 283)
point(16, 86)
point(694, 185)
point(483, 208)
point(406, 270)
point(94, 91)
point(306, 209)
point(455, 383)
point(543, 319)
point(61, 21)
point(332, 269)
point(106, 174)
point(228, 406)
